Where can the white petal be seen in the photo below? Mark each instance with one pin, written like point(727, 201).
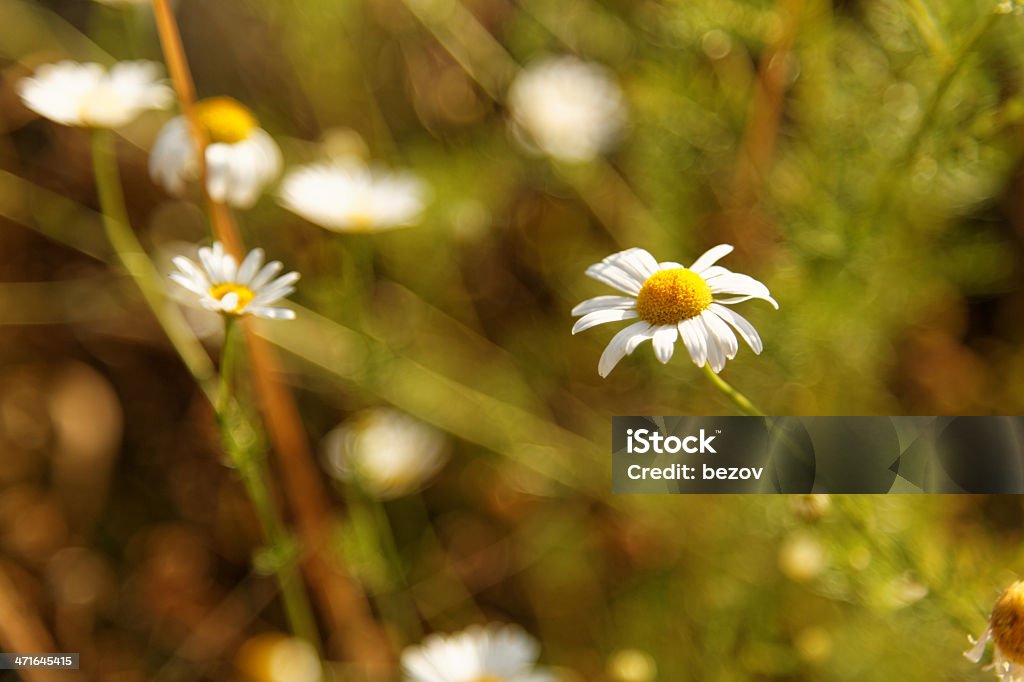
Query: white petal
point(600, 317)
point(271, 313)
point(282, 282)
point(716, 357)
point(210, 303)
point(189, 283)
point(635, 261)
point(243, 175)
point(693, 335)
point(417, 663)
point(722, 333)
point(228, 268)
point(616, 348)
point(172, 160)
point(229, 302)
point(263, 299)
point(615, 277)
point(664, 341)
point(604, 303)
point(266, 274)
point(635, 342)
point(978, 650)
point(191, 270)
point(713, 271)
point(741, 325)
point(218, 171)
point(742, 285)
point(249, 166)
point(250, 266)
point(210, 261)
point(710, 257)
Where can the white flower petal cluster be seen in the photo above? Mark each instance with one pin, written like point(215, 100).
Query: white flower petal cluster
point(672, 302)
point(387, 451)
point(494, 653)
point(346, 196)
point(90, 95)
point(242, 159)
point(222, 285)
point(566, 108)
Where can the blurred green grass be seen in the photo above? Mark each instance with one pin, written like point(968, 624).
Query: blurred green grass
point(865, 159)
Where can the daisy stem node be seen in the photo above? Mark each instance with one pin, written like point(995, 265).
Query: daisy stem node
point(138, 265)
point(741, 401)
point(369, 519)
point(244, 450)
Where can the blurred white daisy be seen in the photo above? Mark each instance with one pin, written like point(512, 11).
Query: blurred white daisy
point(346, 196)
point(226, 287)
point(1006, 631)
point(387, 451)
point(89, 95)
point(495, 653)
point(241, 158)
point(567, 108)
point(672, 302)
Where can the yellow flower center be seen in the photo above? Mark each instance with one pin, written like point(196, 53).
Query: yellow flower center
point(671, 296)
point(1008, 623)
point(225, 120)
point(243, 295)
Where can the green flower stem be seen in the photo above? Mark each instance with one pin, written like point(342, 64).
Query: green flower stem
point(245, 452)
point(859, 512)
point(370, 521)
point(741, 401)
point(138, 265)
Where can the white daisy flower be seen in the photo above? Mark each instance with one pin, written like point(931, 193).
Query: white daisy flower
point(1006, 631)
point(226, 287)
point(346, 196)
point(672, 302)
point(387, 451)
point(567, 108)
point(241, 158)
point(89, 95)
point(496, 653)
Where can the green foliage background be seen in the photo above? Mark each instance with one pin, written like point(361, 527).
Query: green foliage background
point(863, 156)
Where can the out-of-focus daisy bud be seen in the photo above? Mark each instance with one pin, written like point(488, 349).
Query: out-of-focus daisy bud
point(566, 108)
point(385, 451)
